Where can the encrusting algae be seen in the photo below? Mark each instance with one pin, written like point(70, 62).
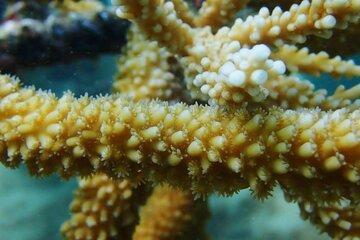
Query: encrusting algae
point(263, 125)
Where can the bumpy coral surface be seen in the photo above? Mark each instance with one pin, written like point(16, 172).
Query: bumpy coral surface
point(166, 215)
point(262, 125)
point(206, 148)
point(147, 71)
point(233, 66)
point(103, 209)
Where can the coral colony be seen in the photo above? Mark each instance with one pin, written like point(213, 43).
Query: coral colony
point(203, 102)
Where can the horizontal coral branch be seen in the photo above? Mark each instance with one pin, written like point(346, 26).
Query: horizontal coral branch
point(341, 220)
point(307, 17)
point(315, 63)
point(337, 216)
point(205, 148)
point(231, 75)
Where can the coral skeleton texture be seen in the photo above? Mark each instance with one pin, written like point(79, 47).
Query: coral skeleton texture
point(249, 121)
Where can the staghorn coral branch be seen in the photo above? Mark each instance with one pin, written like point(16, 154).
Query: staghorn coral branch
point(293, 92)
point(207, 149)
point(315, 63)
point(169, 214)
point(147, 71)
point(335, 45)
point(232, 75)
point(184, 12)
point(339, 217)
point(155, 17)
point(221, 71)
point(103, 209)
point(216, 14)
point(316, 17)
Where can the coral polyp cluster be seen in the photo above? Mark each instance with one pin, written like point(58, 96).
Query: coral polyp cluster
point(103, 209)
point(152, 139)
point(248, 120)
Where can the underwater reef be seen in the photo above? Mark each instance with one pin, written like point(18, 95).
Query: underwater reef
point(207, 101)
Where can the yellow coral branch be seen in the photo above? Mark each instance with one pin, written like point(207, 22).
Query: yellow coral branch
point(221, 70)
point(315, 63)
point(292, 92)
point(184, 12)
point(309, 17)
point(146, 71)
point(341, 220)
point(216, 14)
point(205, 148)
point(336, 44)
point(339, 216)
point(231, 75)
point(158, 21)
point(166, 215)
point(103, 209)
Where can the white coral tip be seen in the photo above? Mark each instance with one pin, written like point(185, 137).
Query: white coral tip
point(260, 52)
point(236, 78)
point(279, 67)
point(227, 68)
point(259, 76)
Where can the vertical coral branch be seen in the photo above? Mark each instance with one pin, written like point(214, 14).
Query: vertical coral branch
point(184, 12)
point(146, 70)
point(217, 13)
point(168, 214)
point(103, 209)
point(158, 20)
